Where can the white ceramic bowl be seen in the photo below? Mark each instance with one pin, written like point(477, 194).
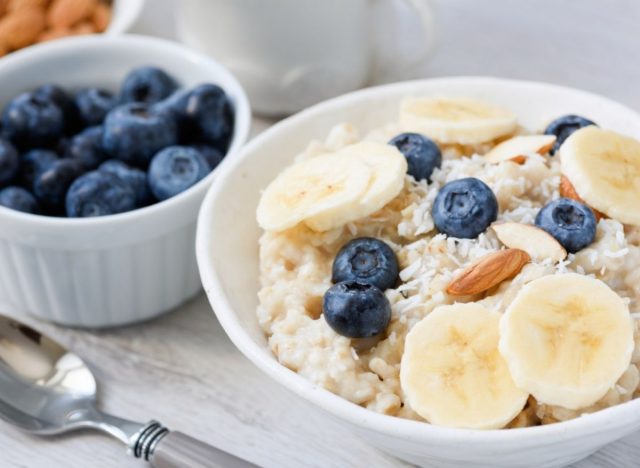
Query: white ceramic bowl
point(112, 270)
point(124, 15)
point(228, 262)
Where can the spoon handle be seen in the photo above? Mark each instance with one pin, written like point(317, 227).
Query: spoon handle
point(178, 450)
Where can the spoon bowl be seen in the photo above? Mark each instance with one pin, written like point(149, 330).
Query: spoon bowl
point(43, 382)
point(46, 389)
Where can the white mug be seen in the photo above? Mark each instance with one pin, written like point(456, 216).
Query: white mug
point(289, 54)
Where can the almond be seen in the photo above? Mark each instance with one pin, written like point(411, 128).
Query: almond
point(66, 13)
point(20, 4)
point(101, 17)
point(517, 149)
point(21, 28)
point(51, 34)
point(567, 190)
point(539, 244)
point(488, 271)
point(85, 27)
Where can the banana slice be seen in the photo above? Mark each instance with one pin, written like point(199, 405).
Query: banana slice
point(567, 339)
point(327, 184)
point(539, 244)
point(517, 149)
point(456, 120)
point(452, 373)
point(332, 189)
point(388, 169)
point(604, 168)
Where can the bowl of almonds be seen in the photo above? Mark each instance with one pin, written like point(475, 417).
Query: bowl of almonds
point(27, 22)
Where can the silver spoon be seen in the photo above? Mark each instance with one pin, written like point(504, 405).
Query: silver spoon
point(46, 390)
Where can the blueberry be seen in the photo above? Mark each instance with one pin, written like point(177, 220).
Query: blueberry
point(175, 104)
point(570, 222)
point(175, 169)
point(134, 133)
point(211, 154)
point(423, 155)
point(9, 162)
point(147, 84)
point(356, 310)
point(366, 260)
point(464, 208)
point(60, 97)
point(99, 193)
point(86, 148)
point(175, 107)
point(18, 199)
point(93, 105)
point(56, 94)
point(563, 127)
point(50, 187)
point(33, 163)
point(203, 115)
point(131, 176)
point(31, 121)
point(208, 116)
point(62, 146)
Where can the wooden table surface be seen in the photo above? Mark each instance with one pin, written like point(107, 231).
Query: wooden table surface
point(182, 370)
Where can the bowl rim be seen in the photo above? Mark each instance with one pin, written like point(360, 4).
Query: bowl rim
point(124, 20)
point(336, 405)
point(83, 44)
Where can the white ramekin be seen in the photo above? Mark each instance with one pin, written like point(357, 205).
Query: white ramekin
point(116, 269)
point(228, 262)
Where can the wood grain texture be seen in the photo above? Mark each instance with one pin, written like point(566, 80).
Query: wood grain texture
point(182, 370)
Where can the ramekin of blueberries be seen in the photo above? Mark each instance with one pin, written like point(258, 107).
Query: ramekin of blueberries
point(107, 147)
point(91, 152)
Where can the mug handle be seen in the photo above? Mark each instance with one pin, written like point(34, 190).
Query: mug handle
point(403, 38)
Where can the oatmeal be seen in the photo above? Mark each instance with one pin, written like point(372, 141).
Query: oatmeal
point(296, 261)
